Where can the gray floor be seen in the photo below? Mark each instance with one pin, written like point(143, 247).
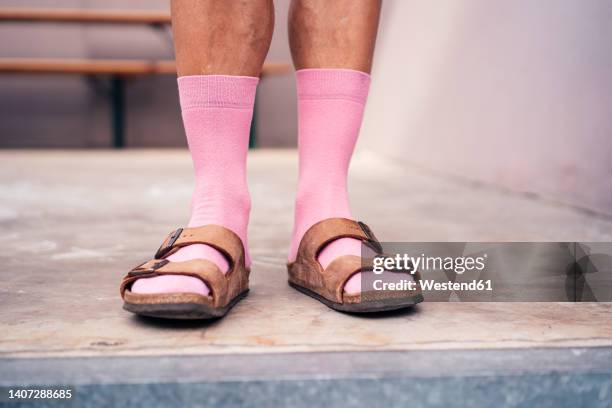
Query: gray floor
point(71, 223)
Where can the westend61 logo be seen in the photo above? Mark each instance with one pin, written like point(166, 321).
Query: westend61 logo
point(410, 264)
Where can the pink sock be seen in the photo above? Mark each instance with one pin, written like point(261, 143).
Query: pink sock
point(217, 112)
point(330, 110)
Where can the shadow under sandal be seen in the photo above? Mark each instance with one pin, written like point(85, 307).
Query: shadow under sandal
point(327, 285)
point(225, 289)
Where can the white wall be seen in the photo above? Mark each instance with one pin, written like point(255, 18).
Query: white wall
point(512, 92)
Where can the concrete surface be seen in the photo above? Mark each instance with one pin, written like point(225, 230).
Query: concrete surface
point(72, 223)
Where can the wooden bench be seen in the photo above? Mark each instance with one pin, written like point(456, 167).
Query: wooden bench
point(84, 16)
point(117, 69)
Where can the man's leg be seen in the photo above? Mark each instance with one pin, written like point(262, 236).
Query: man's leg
point(220, 48)
point(332, 43)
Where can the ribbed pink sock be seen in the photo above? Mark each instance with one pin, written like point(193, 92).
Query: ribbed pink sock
point(217, 112)
point(330, 111)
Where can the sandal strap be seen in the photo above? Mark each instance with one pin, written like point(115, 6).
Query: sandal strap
point(202, 269)
point(331, 229)
point(216, 236)
point(339, 271)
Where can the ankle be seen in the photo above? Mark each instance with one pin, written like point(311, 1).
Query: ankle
point(229, 207)
point(220, 203)
point(312, 207)
point(323, 199)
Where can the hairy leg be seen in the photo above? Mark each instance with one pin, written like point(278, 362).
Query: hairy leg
point(221, 37)
point(220, 48)
point(332, 45)
point(333, 34)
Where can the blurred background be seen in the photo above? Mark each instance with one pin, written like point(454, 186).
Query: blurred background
point(512, 93)
point(70, 111)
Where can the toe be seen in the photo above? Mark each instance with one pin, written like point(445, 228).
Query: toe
point(353, 285)
point(170, 284)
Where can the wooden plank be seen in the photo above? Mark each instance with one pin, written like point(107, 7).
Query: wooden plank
point(84, 66)
point(102, 67)
point(84, 16)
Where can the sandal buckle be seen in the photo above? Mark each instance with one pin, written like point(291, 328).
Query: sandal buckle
point(149, 271)
point(166, 246)
point(372, 242)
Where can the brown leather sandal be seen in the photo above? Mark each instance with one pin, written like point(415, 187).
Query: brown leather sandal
point(327, 286)
point(225, 289)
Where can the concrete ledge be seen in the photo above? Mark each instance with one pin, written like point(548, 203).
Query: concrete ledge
point(555, 377)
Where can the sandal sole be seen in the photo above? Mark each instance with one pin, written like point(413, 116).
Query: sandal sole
point(182, 311)
point(371, 306)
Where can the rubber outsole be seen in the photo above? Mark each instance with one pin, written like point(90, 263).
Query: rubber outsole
point(182, 311)
point(371, 306)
